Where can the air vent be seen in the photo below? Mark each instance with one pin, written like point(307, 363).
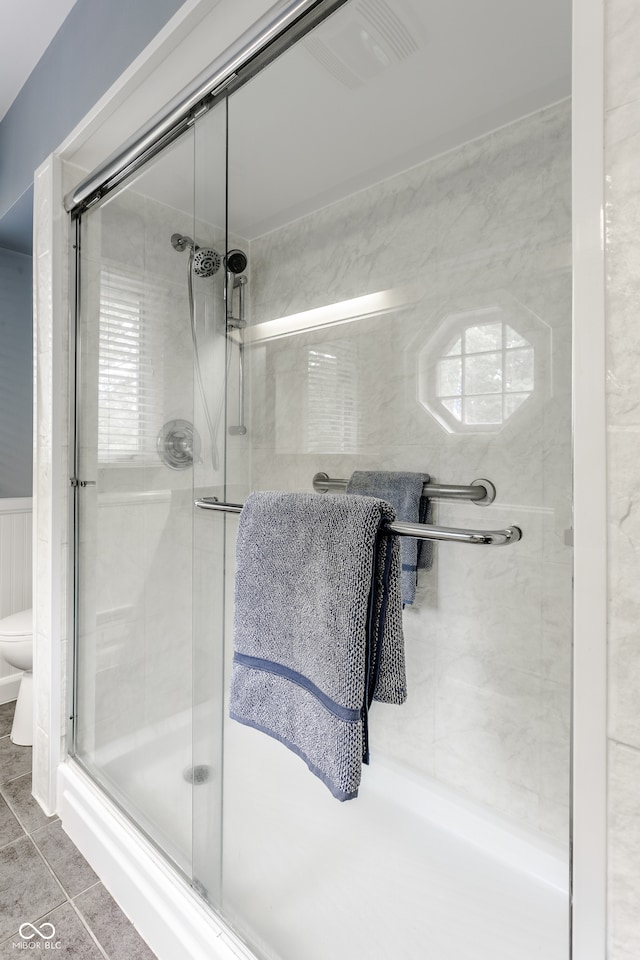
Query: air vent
point(334, 65)
point(389, 28)
point(368, 39)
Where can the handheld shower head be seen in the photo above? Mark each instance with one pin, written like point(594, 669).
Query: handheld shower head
point(235, 261)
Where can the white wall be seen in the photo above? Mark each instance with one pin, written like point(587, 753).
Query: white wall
point(15, 573)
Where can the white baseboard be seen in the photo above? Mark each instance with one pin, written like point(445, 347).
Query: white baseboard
point(168, 915)
point(9, 687)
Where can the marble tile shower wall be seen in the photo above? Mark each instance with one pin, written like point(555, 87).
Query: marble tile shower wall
point(622, 144)
point(484, 232)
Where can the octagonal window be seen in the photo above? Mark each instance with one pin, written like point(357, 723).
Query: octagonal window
point(479, 368)
point(486, 374)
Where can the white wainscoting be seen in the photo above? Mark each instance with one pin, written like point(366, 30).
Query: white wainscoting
point(15, 575)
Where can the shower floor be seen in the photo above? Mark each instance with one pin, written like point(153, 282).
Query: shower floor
point(376, 877)
point(382, 877)
point(144, 774)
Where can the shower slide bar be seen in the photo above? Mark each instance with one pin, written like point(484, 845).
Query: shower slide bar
point(421, 531)
point(479, 491)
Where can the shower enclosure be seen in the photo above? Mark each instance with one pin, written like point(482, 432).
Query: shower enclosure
point(356, 259)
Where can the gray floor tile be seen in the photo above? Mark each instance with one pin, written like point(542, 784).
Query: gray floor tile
point(14, 761)
point(6, 717)
point(70, 933)
point(10, 829)
point(116, 934)
point(17, 793)
point(27, 889)
point(66, 861)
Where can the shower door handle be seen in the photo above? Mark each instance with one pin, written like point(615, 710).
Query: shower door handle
point(212, 503)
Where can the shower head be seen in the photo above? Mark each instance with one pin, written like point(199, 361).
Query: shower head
point(206, 262)
point(235, 261)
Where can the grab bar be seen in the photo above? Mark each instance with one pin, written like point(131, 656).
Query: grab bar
point(479, 491)
point(421, 531)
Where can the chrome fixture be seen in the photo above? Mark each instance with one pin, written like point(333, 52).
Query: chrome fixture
point(235, 262)
point(479, 491)
point(274, 32)
point(180, 242)
point(178, 444)
point(206, 260)
point(421, 531)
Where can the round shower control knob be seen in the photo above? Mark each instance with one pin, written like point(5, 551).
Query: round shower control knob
point(178, 444)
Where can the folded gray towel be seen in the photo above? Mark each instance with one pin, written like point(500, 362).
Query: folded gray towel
point(404, 492)
point(318, 626)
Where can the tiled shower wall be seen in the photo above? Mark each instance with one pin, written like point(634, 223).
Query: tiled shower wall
point(622, 149)
point(483, 228)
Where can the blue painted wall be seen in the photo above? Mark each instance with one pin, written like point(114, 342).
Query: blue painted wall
point(16, 383)
point(96, 42)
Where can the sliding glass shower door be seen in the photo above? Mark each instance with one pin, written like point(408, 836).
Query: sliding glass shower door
point(148, 298)
point(407, 298)
point(358, 261)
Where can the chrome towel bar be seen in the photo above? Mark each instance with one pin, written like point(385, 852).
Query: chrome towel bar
point(422, 531)
point(480, 491)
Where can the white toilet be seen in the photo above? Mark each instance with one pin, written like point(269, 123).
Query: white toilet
point(16, 647)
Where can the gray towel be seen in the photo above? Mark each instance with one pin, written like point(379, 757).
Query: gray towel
point(318, 627)
point(404, 492)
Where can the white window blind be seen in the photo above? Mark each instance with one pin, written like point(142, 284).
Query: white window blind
point(130, 365)
point(332, 404)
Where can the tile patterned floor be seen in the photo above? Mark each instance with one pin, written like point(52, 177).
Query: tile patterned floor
point(45, 879)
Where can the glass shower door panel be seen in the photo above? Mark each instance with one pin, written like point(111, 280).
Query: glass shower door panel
point(410, 310)
point(135, 446)
point(212, 361)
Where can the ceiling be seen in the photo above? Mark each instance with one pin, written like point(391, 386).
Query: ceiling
point(28, 27)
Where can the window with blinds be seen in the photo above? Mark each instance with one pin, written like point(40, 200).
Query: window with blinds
point(130, 365)
point(332, 399)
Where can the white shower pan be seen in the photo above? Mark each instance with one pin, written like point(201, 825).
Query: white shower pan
point(455, 876)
